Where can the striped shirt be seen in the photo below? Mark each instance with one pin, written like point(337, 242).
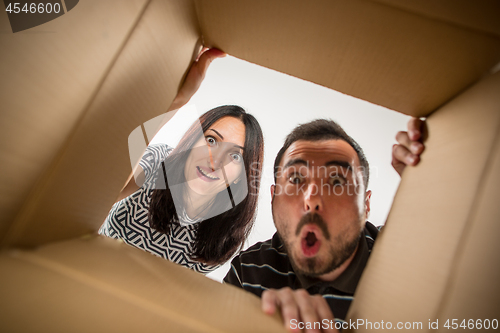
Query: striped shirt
point(266, 265)
point(128, 219)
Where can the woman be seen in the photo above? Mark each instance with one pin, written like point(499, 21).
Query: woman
point(198, 201)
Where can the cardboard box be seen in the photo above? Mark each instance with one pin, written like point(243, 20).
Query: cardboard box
point(70, 95)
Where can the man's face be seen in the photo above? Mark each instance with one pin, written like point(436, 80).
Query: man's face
point(319, 204)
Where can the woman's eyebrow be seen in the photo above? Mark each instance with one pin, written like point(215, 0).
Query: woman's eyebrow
point(211, 129)
point(220, 135)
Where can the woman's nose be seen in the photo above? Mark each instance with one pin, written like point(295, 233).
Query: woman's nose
point(216, 157)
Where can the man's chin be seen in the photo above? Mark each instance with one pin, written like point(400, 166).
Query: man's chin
point(310, 266)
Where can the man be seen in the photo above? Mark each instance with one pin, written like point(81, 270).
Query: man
point(320, 203)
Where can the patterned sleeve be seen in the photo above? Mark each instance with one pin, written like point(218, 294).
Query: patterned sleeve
point(152, 158)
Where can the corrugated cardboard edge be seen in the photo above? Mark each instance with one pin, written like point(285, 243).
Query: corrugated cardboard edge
point(98, 284)
point(77, 191)
point(416, 254)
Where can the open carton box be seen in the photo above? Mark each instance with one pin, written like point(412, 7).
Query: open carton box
point(74, 88)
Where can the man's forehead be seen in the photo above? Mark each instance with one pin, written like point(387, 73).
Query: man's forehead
point(321, 151)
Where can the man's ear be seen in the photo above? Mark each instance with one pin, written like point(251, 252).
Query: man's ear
point(368, 196)
point(272, 192)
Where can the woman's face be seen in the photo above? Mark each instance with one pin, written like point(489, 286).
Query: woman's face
point(216, 160)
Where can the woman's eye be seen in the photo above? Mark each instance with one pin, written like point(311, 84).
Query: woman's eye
point(295, 179)
point(337, 181)
point(236, 157)
point(211, 141)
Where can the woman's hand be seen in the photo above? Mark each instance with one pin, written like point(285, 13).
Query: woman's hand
point(410, 146)
point(195, 76)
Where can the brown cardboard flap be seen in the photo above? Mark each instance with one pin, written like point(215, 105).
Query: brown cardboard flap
point(78, 186)
point(103, 285)
point(49, 74)
point(481, 15)
point(440, 233)
point(400, 59)
point(473, 291)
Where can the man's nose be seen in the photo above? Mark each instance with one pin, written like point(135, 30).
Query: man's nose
point(313, 200)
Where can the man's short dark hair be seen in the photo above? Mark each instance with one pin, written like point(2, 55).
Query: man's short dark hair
point(318, 130)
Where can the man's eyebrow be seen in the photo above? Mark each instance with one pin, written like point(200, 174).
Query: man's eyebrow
point(342, 164)
point(295, 161)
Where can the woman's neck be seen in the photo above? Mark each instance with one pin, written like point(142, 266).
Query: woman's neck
point(195, 204)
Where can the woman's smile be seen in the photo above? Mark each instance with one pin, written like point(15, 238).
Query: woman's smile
point(206, 174)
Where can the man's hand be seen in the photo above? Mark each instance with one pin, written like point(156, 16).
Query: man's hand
point(297, 306)
point(195, 76)
point(410, 146)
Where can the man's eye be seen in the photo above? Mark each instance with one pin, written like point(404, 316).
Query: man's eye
point(237, 157)
point(211, 141)
point(337, 181)
point(295, 179)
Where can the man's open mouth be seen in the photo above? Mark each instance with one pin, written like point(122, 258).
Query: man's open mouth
point(310, 243)
point(205, 175)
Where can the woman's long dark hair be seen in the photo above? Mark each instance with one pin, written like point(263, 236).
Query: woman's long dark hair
point(218, 237)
